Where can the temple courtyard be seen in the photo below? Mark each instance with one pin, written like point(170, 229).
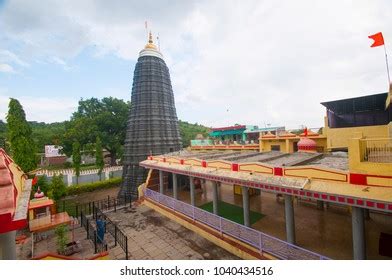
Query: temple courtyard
point(151, 236)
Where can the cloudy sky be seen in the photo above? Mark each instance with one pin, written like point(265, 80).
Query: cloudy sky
point(249, 62)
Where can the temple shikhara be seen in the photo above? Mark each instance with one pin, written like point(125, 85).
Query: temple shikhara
point(152, 124)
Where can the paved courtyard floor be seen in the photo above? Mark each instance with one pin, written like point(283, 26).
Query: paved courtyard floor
point(46, 242)
point(151, 236)
point(156, 237)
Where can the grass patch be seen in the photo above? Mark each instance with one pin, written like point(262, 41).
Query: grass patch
point(232, 212)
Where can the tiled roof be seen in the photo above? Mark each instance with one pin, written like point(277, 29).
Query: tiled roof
point(13, 204)
point(6, 187)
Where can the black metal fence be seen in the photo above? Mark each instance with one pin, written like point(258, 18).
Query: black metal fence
point(108, 204)
point(120, 237)
point(97, 209)
point(99, 245)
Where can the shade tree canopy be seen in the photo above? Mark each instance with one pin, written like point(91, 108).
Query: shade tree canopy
point(105, 118)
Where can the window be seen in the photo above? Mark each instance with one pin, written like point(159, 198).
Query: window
point(275, 147)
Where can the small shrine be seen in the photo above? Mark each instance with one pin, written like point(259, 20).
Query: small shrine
point(42, 214)
point(306, 144)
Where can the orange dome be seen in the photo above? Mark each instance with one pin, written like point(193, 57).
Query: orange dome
point(307, 145)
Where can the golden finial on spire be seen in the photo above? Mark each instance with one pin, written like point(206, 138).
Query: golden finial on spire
point(150, 44)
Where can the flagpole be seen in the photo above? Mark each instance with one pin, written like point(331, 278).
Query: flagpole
point(146, 27)
point(386, 61)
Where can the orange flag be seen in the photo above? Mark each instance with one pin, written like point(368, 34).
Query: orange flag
point(35, 181)
point(378, 39)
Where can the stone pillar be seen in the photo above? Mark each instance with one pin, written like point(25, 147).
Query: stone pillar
point(175, 186)
point(219, 190)
point(366, 214)
point(320, 205)
point(289, 217)
point(358, 230)
point(161, 190)
point(204, 187)
point(7, 246)
point(245, 205)
point(215, 197)
point(192, 190)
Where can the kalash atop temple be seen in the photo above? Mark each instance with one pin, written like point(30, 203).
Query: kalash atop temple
point(271, 193)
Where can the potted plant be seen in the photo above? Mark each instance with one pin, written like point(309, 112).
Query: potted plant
point(62, 239)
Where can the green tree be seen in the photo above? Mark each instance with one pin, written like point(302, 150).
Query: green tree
point(76, 159)
point(57, 188)
point(189, 131)
point(106, 118)
point(99, 157)
point(47, 134)
point(3, 133)
point(19, 134)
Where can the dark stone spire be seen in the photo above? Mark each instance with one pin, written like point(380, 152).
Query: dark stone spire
point(152, 127)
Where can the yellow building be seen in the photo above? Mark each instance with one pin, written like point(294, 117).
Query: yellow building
point(287, 142)
point(366, 116)
point(360, 117)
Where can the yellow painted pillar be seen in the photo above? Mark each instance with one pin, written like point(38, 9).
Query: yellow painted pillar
point(355, 154)
point(287, 146)
point(261, 144)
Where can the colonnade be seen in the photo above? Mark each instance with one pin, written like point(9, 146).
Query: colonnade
point(358, 214)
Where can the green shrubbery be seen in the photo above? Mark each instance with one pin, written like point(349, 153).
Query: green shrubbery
point(89, 187)
point(43, 184)
point(57, 188)
point(54, 189)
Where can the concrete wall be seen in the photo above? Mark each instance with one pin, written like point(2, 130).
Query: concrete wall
point(266, 145)
point(65, 178)
point(70, 179)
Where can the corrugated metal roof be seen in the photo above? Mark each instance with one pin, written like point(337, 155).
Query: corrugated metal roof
point(357, 104)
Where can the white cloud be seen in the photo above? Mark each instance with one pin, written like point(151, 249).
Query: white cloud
point(265, 61)
point(60, 62)
point(8, 56)
point(6, 68)
point(41, 109)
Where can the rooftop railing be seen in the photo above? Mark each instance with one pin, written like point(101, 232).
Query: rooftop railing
point(377, 150)
point(255, 238)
